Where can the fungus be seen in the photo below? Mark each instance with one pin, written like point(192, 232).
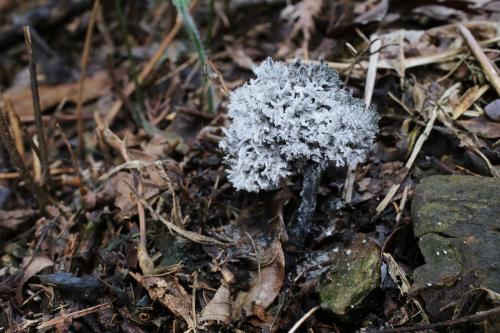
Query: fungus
point(294, 118)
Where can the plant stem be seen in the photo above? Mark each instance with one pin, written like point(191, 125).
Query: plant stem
point(305, 213)
point(182, 8)
point(37, 110)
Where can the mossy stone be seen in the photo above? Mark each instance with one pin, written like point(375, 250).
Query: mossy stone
point(353, 275)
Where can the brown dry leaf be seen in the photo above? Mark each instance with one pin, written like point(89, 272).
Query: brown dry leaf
point(97, 85)
point(36, 265)
point(263, 290)
point(240, 57)
point(468, 98)
point(145, 262)
point(170, 294)
point(219, 307)
point(302, 14)
point(125, 198)
point(482, 126)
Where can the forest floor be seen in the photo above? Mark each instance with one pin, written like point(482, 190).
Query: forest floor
point(116, 214)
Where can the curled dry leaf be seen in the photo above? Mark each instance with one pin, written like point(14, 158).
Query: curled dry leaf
point(264, 288)
point(219, 307)
point(145, 262)
point(170, 294)
point(35, 266)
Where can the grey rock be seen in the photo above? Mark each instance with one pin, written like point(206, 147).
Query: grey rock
point(457, 221)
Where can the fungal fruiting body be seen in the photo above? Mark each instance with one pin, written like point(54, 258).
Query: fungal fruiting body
point(290, 115)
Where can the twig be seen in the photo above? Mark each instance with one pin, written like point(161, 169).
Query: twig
point(410, 62)
point(84, 65)
point(369, 87)
point(73, 315)
point(37, 109)
point(192, 236)
point(416, 149)
point(418, 145)
point(142, 215)
point(53, 172)
point(486, 65)
point(304, 318)
point(402, 204)
point(452, 322)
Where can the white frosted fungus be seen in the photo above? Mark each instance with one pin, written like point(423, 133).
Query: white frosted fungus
point(291, 114)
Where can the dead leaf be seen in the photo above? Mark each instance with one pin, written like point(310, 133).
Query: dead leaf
point(97, 85)
point(302, 14)
point(493, 110)
point(169, 293)
point(370, 12)
point(219, 307)
point(36, 265)
point(263, 290)
point(145, 262)
point(240, 57)
point(482, 126)
point(468, 98)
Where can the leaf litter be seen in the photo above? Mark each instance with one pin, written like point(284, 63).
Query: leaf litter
point(142, 232)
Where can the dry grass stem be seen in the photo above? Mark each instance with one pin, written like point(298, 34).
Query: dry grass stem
point(83, 67)
point(486, 65)
point(73, 315)
point(369, 86)
point(44, 160)
point(309, 313)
